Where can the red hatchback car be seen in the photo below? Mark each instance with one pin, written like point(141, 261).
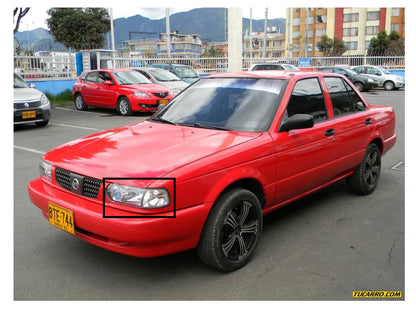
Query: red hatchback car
point(203, 171)
point(123, 89)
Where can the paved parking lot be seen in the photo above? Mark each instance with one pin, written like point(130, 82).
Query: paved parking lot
point(322, 247)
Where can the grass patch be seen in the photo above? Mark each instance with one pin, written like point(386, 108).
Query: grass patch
point(61, 98)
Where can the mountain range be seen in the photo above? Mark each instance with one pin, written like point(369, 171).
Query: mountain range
point(210, 23)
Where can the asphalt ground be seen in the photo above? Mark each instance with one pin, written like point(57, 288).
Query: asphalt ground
point(321, 248)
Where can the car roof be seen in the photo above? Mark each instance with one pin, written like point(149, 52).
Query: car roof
point(279, 74)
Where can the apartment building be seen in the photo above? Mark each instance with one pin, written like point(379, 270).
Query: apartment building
point(355, 26)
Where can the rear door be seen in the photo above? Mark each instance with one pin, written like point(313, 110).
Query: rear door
point(352, 122)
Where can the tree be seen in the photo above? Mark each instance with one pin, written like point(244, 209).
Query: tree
point(20, 14)
point(79, 28)
point(385, 44)
point(331, 47)
point(212, 52)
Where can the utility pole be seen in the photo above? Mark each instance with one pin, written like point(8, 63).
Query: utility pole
point(251, 35)
point(112, 38)
point(168, 32)
point(265, 34)
point(235, 33)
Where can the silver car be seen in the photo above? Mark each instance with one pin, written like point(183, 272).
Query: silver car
point(30, 105)
point(384, 78)
point(164, 78)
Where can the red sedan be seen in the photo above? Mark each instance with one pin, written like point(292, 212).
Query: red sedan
point(203, 171)
point(123, 89)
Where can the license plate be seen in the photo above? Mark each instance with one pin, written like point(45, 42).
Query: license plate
point(61, 218)
point(28, 114)
point(163, 102)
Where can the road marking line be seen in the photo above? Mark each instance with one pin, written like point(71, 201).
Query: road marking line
point(29, 150)
point(78, 127)
point(84, 112)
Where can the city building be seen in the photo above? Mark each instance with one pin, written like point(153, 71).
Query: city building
point(254, 44)
point(181, 46)
point(355, 26)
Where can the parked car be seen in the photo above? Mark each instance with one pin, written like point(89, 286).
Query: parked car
point(361, 82)
point(273, 66)
point(163, 77)
point(123, 89)
point(184, 72)
point(203, 171)
point(30, 105)
point(384, 78)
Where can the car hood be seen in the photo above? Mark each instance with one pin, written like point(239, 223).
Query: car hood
point(148, 87)
point(174, 84)
point(26, 94)
point(146, 149)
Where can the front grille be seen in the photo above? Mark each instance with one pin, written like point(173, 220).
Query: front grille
point(23, 105)
point(90, 186)
point(161, 95)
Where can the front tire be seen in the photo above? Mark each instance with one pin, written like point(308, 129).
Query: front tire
point(365, 178)
point(359, 86)
point(232, 231)
point(124, 107)
point(389, 85)
point(80, 103)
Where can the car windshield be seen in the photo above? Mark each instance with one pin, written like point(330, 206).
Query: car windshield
point(351, 72)
point(163, 75)
point(291, 67)
point(385, 71)
point(19, 82)
point(234, 104)
point(186, 72)
point(130, 78)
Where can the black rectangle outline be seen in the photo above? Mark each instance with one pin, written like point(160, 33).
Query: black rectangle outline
point(144, 217)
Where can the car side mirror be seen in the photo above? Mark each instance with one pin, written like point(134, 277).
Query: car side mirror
point(31, 85)
point(108, 83)
point(298, 121)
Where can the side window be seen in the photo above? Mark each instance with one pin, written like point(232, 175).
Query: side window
point(344, 99)
point(307, 98)
point(103, 76)
point(360, 70)
point(91, 77)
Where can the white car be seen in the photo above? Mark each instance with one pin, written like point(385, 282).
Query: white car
point(273, 66)
point(164, 78)
point(384, 78)
point(30, 105)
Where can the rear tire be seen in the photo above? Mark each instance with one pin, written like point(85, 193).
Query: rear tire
point(232, 231)
point(365, 178)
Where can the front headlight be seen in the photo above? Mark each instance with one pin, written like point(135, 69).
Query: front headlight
point(44, 100)
point(138, 197)
point(140, 94)
point(45, 169)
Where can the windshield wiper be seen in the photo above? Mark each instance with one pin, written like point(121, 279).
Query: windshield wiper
point(162, 120)
point(202, 125)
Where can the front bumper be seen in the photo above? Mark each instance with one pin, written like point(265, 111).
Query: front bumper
point(40, 116)
point(140, 237)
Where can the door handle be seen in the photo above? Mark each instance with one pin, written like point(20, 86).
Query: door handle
point(329, 132)
point(368, 121)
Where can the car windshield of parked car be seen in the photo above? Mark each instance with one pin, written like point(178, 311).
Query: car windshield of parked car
point(186, 72)
point(291, 67)
point(19, 82)
point(385, 71)
point(234, 104)
point(130, 78)
point(163, 75)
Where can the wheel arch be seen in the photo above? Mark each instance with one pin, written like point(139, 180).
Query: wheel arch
point(250, 184)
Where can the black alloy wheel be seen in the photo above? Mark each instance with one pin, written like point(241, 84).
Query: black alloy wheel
point(366, 177)
point(232, 231)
